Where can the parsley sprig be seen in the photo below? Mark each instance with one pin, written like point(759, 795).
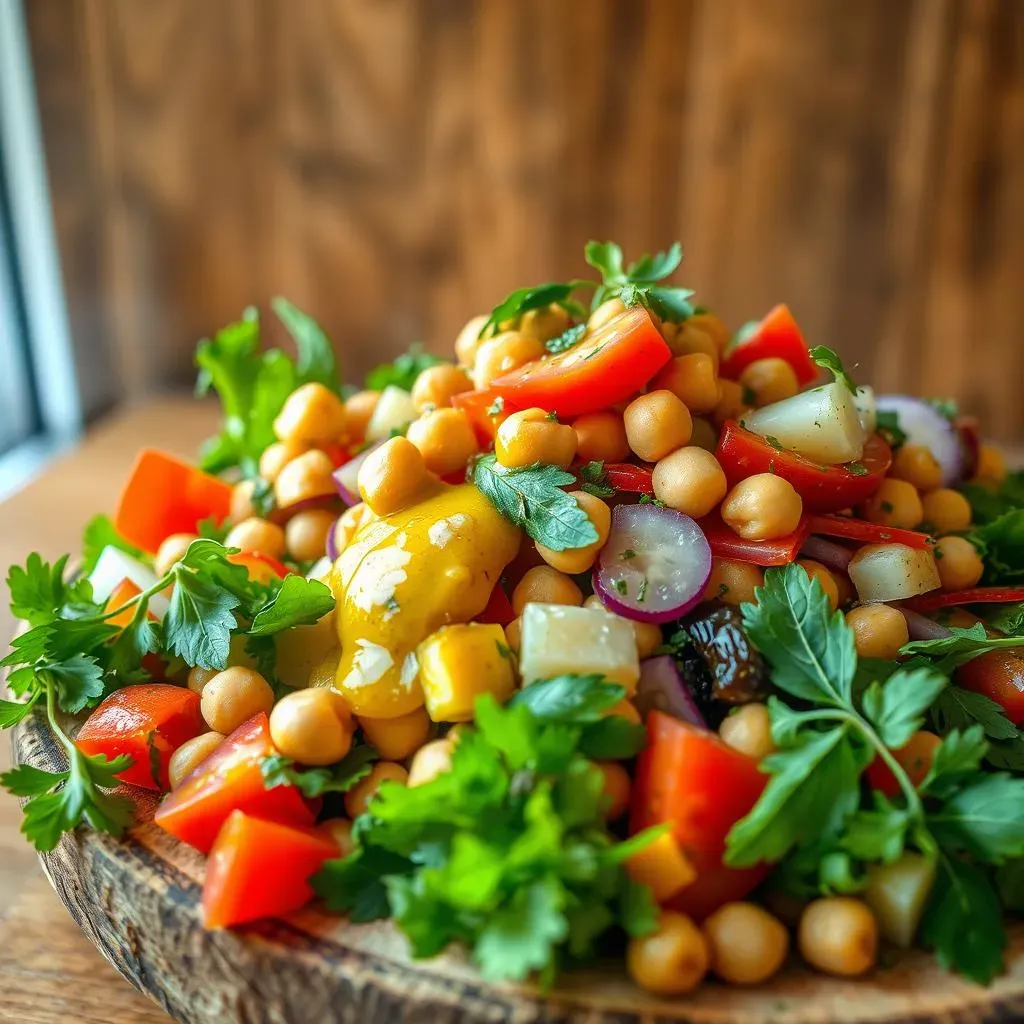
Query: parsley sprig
point(638, 282)
point(828, 359)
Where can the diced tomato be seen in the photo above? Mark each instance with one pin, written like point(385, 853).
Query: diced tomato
point(936, 599)
point(999, 675)
point(260, 868)
point(339, 454)
point(124, 592)
point(499, 609)
point(261, 568)
point(822, 488)
point(914, 757)
point(689, 777)
point(477, 405)
point(776, 336)
point(609, 365)
point(624, 476)
point(867, 533)
point(165, 495)
point(230, 780)
point(148, 723)
point(726, 543)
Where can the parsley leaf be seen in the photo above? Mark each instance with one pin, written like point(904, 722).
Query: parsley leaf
point(988, 503)
point(402, 373)
point(637, 283)
point(567, 339)
point(200, 620)
point(897, 709)
point(961, 646)
point(299, 602)
point(829, 360)
point(957, 708)
point(316, 360)
point(594, 480)
point(887, 423)
point(984, 817)
point(278, 770)
point(522, 300)
point(1002, 542)
point(38, 591)
point(532, 498)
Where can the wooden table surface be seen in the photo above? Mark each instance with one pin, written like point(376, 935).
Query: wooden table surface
point(49, 971)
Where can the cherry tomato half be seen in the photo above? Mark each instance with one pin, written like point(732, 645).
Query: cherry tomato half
point(726, 543)
point(999, 675)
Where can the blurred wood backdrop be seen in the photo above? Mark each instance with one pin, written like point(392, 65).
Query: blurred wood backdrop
point(394, 166)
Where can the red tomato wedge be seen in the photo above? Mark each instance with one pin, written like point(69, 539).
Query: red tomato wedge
point(261, 568)
point(608, 366)
point(822, 488)
point(624, 476)
point(868, 533)
point(977, 595)
point(230, 780)
point(499, 609)
point(689, 777)
point(148, 723)
point(726, 543)
point(165, 495)
point(998, 675)
point(477, 405)
point(776, 336)
point(260, 868)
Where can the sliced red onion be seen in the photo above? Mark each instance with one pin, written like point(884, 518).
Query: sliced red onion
point(346, 477)
point(655, 565)
point(333, 551)
point(925, 425)
point(921, 627)
point(828, 552)
point(662, 688)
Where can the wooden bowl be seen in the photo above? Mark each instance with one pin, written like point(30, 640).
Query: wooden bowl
point(138, 900)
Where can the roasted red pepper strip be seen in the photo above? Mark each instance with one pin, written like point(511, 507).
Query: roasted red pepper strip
point(925, 603)
point(624, 476)
point(776, 336)
point(726, 543)
point(868, 533)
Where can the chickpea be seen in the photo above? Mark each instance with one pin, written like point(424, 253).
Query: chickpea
point(502, 354)
point(468, 343)
point(946, 511)
point(533, 436)
point(358, 798)
point(514, 634)
point(879, 631)
point(198, 678)
point(544, 324)
point(705, 435)
point(312, 726)
point(839, 935)
point(746, 943)
point(359, 410)
point(817, 571)
point(233, 696)
point(690, 480)
point(393, 476)
point(991, 466)
point(397, 738)
point(445, 438)
point(340, 830)
point(616, 788)
point(544, 585)
point(770, 380)
point(690, 339)
point(306, 477)
point(748, 729)
point(895, 503)
point(257, 536)
point(172, 550)
point(577, 560)
point(647, 634)
point(693, 380)
point(733, 582)
point(601, 437)
point(732, 405)
point(762, 507)
point(712, 326)
point(672, 960)
point(242, 506)
point(430, 761)
point(657, 423)
point(312, 414)
point(190, 755)
point(436, 385)
point(960, 566)
point(277, 456)
point(845, 589)
point(916, 464)
point(604, 313)
point(307, 532)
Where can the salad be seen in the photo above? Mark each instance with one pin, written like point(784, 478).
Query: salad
point(616, 633)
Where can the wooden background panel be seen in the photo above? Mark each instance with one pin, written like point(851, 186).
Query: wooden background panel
point(395, 166)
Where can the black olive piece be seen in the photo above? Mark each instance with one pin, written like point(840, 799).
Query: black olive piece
point(735, 672)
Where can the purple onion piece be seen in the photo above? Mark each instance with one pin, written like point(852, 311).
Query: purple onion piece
point(921, 627)
point(925, 425)
point(662, 688)
point(830, 554)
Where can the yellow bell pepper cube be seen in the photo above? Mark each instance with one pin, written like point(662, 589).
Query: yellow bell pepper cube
point(458, 664)
point(663, 866)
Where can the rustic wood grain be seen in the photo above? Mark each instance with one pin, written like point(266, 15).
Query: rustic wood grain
point(398, 165)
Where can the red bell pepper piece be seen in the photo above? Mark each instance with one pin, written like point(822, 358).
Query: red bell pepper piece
point(499, 609)
point(776, 336)
point(624, 476)
point(148, 723)
point(867, 533)
point(936, 599)
point(726, 543)
point(261, 868)
point(688, 776)
point(230, 780)
point(165, 495)
point(478, 406)
point(261, 568)
point(822, 488)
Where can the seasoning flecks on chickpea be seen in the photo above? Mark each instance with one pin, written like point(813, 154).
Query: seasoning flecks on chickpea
point(468, 343)
point(306, 534)
point(257, 536)
point(277, 456)
point(544, 324)
point(607, 311)
point(690, 340)
point(747, 944)
point(312, 726)
point(693, 380)
point(359, 410)
point(839, 935)
point(946, 511)
point(827, 582)
point(733, 582)
point(233, 696)
point(397, 738)
point(533, 435)
point(358, 798)
point(895, 503)
point(242, 506)
point(190, 755)
point(916, 464)
point(656, 424)
point(312, 414)
point(771, 380)
point(577, 560)
point(306, 477)
point(437, 385)
point(544, 585)
point(748, 729)
point(431, 760)
point(170, 551)
point(762, 507)
point(445, 438)
point(879, 631)
point(502, 354)
point(690, 480)
point(959, 564)
point(672, 960)
point(393, 476)
point(601, 437)
point(617, 787)
point(712, 326)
